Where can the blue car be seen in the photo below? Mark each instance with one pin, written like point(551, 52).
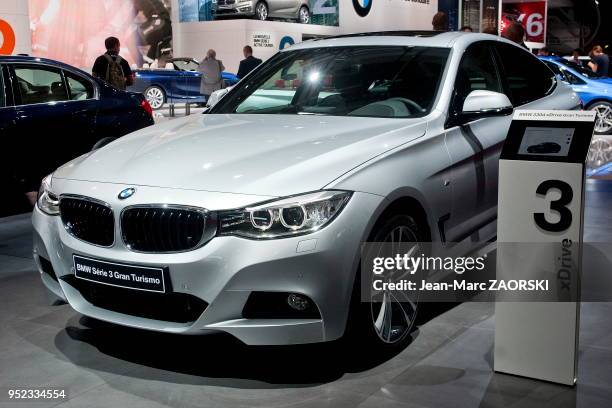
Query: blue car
point(180, 84)
point(51, 113)
point(594, 90)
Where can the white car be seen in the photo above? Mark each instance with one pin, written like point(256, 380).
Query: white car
point(249, 219)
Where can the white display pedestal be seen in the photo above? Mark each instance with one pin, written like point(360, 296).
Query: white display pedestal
point(540, 213)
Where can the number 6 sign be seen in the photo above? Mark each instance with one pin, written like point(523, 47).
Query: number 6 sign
point(7, 38)
point(531, 14)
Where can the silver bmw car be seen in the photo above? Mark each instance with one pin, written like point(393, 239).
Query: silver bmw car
point(249, 219)
point(264, 9)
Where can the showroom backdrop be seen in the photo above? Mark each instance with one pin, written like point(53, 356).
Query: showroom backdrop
point(73, 31)
point(14, 24)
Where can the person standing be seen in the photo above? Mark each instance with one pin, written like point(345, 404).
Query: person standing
point(111, 68)
point(249, 62)
point(543, 52)
point(576, 56)
point(600, 62)
point(516, 33)
point(440, 21)
point(211, 69)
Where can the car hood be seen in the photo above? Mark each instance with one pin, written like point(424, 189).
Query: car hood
point(607, 81)
point(273, 155)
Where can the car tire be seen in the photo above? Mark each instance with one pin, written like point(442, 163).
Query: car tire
point(304, 15)
point(603, 122)
point(261, 11)
point(103, 142)
point(368, 323)
point(155, 96)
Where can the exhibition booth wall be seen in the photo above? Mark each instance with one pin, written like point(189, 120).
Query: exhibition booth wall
point(14, 27)
point(229, 36)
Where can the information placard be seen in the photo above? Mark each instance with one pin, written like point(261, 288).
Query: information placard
point(539, 229)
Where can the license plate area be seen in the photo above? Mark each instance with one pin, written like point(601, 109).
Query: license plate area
point(144, 278)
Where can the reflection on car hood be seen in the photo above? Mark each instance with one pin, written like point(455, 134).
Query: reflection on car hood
point(274, 155)
point(605, 80)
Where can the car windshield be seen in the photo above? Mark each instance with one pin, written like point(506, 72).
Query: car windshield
point(580, 69)
point(376, 81)
point(186, 65)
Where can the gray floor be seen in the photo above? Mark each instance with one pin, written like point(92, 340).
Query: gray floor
point(447, 365)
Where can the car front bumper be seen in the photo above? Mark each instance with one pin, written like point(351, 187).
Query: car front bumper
point(225, 271)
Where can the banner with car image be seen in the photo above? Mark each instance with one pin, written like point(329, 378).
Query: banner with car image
point(74, 31)
point(318, 12)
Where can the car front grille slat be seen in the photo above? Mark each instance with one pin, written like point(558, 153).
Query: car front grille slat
point(163, 228)
point(88, 220)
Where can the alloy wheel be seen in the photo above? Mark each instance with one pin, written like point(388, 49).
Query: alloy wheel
point(155, 97)
point(393, 313)
point(304, 15)
point(603, 122)
point(262, 11)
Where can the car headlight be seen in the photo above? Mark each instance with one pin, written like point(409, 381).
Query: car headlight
point(47, 201)
point(286, 217)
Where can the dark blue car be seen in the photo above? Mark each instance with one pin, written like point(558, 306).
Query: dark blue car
point(51, 113)
point(180, 83)
point(594, 91)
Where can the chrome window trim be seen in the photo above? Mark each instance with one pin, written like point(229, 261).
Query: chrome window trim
point(92, 200)
point(3, 88)
point(210, 218)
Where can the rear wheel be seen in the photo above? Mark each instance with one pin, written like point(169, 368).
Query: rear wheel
point(386, 318)
point(155, 96)
point(603, 122)
point(261, 11)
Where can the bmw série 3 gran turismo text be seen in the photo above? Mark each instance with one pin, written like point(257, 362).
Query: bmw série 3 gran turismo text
point(249, 219)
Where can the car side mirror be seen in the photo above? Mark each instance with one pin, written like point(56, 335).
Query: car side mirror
point(483, 104)
point(216, 96)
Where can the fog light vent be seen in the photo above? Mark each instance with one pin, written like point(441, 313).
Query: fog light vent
point(297, 302)
point(280, 305)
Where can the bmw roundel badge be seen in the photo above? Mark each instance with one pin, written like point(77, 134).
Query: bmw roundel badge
point(126, 193)
point(362, 7)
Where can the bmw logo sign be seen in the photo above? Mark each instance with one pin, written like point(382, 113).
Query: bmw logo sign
point(362, 7)
point(126, 193)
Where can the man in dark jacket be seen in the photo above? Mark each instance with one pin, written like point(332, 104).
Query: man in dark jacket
point(249, 62)
point(111, 67)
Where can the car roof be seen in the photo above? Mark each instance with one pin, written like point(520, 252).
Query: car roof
point(5, 59)
point(400, 38)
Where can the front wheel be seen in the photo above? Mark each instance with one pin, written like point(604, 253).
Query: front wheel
point(304, 15)
point(155, 96)
point(261, 11)
point(386, 318)
point(603, 122)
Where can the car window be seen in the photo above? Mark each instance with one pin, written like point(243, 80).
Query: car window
point(571, 78)
point(79, 87)
point(185, 65)
point(555, 68)
point(526, 77)
point(477, 71)
point(39, 85)
point(582, 70)
point(370, 81)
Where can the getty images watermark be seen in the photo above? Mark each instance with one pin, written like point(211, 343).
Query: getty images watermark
point(524, 272)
